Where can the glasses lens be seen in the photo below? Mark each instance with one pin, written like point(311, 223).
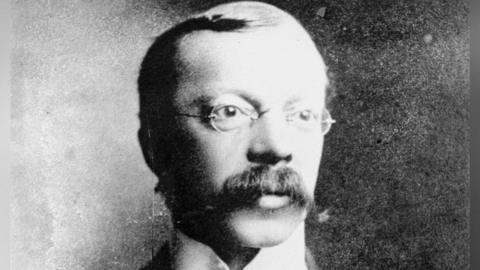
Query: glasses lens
point(310, 121)
point(306, 120)
point(230, 117)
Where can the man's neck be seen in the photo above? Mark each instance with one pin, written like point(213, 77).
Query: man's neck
point(191, 254)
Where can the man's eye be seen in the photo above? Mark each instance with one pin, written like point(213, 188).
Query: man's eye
point(230, 117)
point(304, 116)
point(227, 111)
point(230, 111)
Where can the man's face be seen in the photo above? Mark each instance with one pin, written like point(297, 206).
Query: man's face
point(279, 76)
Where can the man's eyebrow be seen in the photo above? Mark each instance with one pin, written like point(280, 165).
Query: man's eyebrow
point(249, 98)
point(299, 100)
point(292, 101)
point(207, 99)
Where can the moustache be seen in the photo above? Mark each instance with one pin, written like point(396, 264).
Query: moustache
point(244, 189)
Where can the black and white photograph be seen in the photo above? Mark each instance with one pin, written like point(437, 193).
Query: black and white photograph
point(230, 135)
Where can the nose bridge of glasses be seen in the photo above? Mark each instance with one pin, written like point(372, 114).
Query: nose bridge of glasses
point(271, 113)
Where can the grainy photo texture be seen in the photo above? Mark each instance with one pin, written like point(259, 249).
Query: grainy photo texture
point(161, 134)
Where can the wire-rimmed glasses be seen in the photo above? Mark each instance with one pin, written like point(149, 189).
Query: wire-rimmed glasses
point(228, 117)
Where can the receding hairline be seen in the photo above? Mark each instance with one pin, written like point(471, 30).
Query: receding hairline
point(256, 14)
point(158, 73)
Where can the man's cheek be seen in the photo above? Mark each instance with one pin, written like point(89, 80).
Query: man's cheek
point(223, 158)
point(310, 170)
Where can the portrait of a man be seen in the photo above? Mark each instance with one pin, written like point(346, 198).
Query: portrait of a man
point(228, 135)
point(233, 108)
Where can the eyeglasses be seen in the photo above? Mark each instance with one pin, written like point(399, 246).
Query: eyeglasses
point(227, 117)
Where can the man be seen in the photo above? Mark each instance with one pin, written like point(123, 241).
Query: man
point(232, 109)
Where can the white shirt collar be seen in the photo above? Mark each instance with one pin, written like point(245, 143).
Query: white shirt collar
point(189, 254)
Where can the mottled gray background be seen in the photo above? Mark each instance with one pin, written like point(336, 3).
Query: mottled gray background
point(395, 173)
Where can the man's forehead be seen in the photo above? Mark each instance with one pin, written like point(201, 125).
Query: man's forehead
point(274, 46)
point(272, 51)
point(269, 64)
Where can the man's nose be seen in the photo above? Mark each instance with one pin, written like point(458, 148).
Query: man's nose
point(270, 141)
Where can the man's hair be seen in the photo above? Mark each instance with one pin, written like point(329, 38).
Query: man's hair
point(158, 73)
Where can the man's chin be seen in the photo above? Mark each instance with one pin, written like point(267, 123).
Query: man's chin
point(261, 227)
